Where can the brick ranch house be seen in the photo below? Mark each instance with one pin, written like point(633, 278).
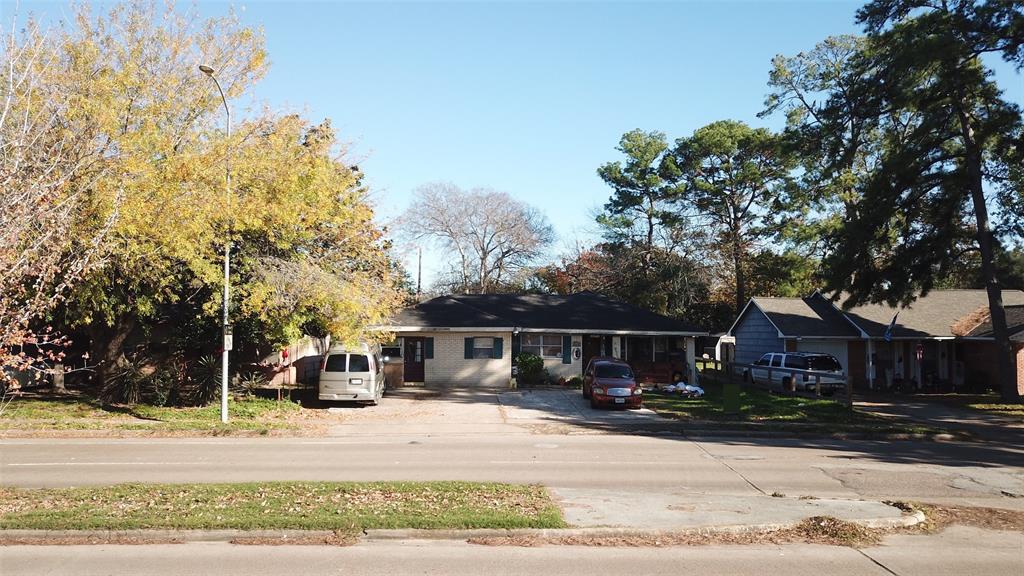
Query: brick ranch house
point(941, 342)
point(473, 339)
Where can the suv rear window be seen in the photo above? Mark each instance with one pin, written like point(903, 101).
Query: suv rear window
point(825, 363)
point(335, 363)
point(358, 363)
point(613, 371)
point(796, 362)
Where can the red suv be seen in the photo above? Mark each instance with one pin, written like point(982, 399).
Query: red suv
point(610, 382)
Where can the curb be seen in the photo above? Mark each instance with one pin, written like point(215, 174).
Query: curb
point(385, 535)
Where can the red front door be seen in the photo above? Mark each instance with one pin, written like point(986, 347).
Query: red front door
point(413, 360)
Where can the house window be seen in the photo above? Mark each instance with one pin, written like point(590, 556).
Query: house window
point(392, 350)
point(483, 347)
point(543, 345)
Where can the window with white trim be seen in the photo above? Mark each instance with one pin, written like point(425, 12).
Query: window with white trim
point(543, 345)
point(483, 347)
point(392, 350)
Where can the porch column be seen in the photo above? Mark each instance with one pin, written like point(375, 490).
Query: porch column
point(691, 358)
point(917, 364)
point(653, 357)
point(871, 365)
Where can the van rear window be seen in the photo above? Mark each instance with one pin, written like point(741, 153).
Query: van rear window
point(335, 363)
point(358, 363)
point(825, 363)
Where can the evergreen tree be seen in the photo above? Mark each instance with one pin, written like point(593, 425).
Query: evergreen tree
point(948, 172)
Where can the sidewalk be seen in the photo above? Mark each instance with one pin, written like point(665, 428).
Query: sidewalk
point(677, 512)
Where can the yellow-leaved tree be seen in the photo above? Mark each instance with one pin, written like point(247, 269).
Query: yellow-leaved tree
point(307, 255)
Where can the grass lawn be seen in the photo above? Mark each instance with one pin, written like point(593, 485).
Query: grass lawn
point(79, 413)
point(761, 409)
point(342, 506)
point(989, 403)
point(1013, 411)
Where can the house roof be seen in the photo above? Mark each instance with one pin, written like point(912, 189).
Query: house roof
point(1014, 321)
point(929, 316)
point(813, 316)
point(585, 311)
point(932, 316)
point(448, 312)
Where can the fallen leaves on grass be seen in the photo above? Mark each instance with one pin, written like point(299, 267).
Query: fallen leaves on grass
point(298, 505)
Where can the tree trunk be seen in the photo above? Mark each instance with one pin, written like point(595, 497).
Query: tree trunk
point(1004, 365)
point(741, 280)
point(108, 346)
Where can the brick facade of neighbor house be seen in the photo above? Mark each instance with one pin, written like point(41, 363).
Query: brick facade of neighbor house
point(942, 342)
point(1019, 349)
point(449, 365)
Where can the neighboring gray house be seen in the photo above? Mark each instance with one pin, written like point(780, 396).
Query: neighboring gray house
point(941, 341)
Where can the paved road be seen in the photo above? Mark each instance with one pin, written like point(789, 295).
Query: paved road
point(919, 470)
point(956, 551)
point(540, 439)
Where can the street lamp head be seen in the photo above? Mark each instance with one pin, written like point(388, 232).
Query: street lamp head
point(206, 69)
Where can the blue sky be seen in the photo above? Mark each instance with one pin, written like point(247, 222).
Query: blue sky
point(529, 98)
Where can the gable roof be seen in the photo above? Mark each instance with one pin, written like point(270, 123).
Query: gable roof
point(584, 311)
point(813, 316)
point(931, 316)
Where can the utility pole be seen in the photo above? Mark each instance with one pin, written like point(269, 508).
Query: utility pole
point(419, 272)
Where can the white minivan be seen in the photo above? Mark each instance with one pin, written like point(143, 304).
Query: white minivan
point(348, 375)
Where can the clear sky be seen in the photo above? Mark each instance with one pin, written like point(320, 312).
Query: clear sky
point(529, 98)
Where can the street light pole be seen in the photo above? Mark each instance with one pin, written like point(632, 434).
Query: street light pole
point(225, 336)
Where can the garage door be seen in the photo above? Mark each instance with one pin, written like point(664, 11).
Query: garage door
point(836, 348)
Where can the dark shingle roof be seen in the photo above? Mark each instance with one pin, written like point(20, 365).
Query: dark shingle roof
point(582, 311)
point(448, 312)
point(931, 315)
point(813, 316)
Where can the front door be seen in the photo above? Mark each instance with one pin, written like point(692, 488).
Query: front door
point(591, 348)
point(413, 360)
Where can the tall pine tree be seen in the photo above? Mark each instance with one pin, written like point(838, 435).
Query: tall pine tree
point(948, 172)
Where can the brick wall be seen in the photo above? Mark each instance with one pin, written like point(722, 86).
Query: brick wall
point(1019, 354)
point(450, 367)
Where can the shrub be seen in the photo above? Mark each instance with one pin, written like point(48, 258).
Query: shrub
point(249, 383)
point(161, 387)
point(205, 379)
point(531, 368)
point(125, 386)
point(575, 382)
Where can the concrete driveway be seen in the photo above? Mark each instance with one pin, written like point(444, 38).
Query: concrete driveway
point(481, 411)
